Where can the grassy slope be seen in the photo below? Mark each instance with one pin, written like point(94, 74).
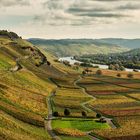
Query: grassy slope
point(23, 93)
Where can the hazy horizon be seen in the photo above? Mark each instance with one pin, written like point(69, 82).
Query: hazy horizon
point(75, 19)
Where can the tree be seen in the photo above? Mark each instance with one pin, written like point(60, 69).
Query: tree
point(117, 67)
point(48, 63)
point(66, 112)
point(98, 115)
point(111, 67)
point(118, 75)
point(84, 72)
point(55, 114)
point(130, 75)
point(122, 68)
point(84, 114)
point(98, 72)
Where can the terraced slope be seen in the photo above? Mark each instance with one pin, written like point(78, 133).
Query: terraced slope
point(24, 87)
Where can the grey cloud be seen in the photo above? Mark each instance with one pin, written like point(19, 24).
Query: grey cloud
point(83, 10)
point(129, 6)
point(103, 15)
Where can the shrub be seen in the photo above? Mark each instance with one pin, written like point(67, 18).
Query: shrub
point(84, 114)
point(118, 75)
point(66, 112)
point(98, 115)
point(86, 65)
point(84, 72)
point(130, 75)
point(55, 114)
point(99, 72)
point(48, 63)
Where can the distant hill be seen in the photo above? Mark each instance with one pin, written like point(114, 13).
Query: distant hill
point(129, 43)
point(71, 47)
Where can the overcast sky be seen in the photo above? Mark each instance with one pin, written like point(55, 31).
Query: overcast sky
point(71, 18)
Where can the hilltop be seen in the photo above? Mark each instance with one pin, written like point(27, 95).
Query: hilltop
point(71, 47)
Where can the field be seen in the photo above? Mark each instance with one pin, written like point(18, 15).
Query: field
point(117, 98)
point(11, 128)
point(76, 128)
point(129, 129)
point(73, 99)
point(80, 124)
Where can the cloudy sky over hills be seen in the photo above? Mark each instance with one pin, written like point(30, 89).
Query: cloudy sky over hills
point(71, 18)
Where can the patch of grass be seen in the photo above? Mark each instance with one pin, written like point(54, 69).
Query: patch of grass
point(80, 124)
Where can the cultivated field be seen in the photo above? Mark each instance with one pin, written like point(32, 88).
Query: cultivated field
point(117, 98)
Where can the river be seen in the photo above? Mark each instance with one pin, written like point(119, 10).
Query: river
point(71, 60)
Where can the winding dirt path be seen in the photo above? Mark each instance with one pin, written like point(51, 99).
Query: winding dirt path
point(84, 91)
point(48, 122)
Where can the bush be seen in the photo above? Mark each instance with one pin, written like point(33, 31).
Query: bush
point(84, 72)
point(99, 72)
point(118, 75)
point(86, 65)
point(8, 34)
point(130, 75)
point(66, 112)
point(98, 115)
point(55, 114)
point(84, 114)
point(135, 70)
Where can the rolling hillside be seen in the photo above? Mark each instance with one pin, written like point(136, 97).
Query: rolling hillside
point(71, 47)
point(24, 89)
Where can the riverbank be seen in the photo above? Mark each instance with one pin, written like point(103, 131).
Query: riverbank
point(71, 60)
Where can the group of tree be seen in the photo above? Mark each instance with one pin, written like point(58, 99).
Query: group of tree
point(67, 113)
point(11, 35)
point(83, 114)
point(129, 75)
point(117, 67)
point(130, 59)
point(67, 63)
